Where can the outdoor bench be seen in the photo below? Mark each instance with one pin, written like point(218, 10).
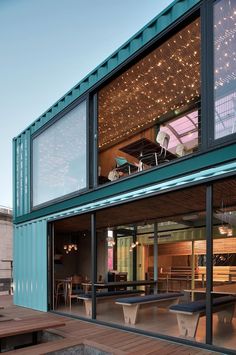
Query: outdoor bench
point(100, 296)
point(31, 325)
point(131, 305)
point(188, 314)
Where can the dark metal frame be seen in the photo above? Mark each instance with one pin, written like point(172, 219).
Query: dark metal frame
point(50, 265)
point(210, 78)
point(209, 267)
point(209, 284)
point(94, 262)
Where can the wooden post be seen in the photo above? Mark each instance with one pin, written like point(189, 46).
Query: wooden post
point(193, 272)
point(155, 258)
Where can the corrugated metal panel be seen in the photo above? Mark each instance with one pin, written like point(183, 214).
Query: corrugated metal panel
point(173, 12)
point(30, 265)
point(201, 177)
point(22, 174)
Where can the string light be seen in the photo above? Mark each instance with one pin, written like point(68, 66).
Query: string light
point(166, 79)
point(151, 87)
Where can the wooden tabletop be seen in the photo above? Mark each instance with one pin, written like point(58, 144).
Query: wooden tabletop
point(125, 283)
point(28, 325)
point(144, 146)
point(227, 289)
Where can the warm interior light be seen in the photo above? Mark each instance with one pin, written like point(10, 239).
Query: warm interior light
point(70, 247)
point(161, 82)
point(110, 238)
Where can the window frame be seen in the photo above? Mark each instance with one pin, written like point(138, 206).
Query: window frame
point(208, 62)
point(61, 115)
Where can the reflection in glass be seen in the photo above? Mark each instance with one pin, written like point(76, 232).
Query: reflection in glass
point(162, 254)
point(159, 93)
point(59, 157)
point(225, 67)
point(224, 263)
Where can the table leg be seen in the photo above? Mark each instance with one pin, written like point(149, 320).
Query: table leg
point(156, 160)
point(35, 338)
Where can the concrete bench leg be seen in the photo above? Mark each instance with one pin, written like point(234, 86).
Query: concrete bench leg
point(88, 307)
point(226, 315)
point(130, 313)
point(188, 324)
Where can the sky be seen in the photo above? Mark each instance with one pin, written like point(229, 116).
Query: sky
point(46, 47)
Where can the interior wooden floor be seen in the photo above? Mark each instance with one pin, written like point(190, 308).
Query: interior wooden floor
point(159, 321)
point(110, 340)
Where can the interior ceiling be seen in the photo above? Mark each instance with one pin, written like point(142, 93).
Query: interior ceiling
point(170, 206)
point(163, 81)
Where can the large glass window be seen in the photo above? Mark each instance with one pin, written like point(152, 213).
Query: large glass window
point(225, 67)
point(59, 157)
point(150, 114)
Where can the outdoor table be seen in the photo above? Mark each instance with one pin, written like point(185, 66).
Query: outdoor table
point(88, 285)
point(227, 289)
point(142, 147)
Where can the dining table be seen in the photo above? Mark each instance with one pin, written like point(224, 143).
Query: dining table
point(226, 289)
point(146, 151)
point(124, 284)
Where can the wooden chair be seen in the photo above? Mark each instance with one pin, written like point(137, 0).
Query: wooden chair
point(70, 294)
point(59, 292)
point(121, 277)
point(73, 293)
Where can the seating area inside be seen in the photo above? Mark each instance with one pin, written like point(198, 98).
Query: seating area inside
point(150, 148)
point(151, 272)
point(131, 305)
point(105, 296)
point(188, 314)
point(150, 114)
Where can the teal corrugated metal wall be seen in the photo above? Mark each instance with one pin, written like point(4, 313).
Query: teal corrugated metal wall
point(30, 265)
point(22, 175)
point(22, 160)
point(172, 13)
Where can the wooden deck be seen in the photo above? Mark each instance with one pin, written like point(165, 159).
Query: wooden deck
point(76, 333)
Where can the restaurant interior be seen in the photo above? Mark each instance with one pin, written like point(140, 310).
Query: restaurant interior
point(150, 114)
point(150, 246)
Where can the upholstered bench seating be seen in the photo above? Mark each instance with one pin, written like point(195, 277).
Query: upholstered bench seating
point(188, 314)
point(131, 305)
point(105, 295)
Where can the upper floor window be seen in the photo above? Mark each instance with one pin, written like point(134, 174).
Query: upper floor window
point(150, 114)
point(225, 67)
point(60, 157)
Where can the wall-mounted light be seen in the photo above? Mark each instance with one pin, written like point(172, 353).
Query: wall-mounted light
point(133, 245)
point(110, 238)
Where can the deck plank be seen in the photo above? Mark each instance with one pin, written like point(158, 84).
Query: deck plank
point(76, 332)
